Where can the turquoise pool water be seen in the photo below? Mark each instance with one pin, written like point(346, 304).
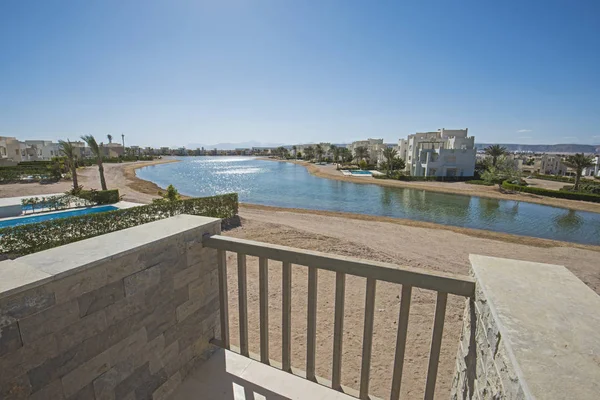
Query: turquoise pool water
point(290, 185)
point(48, 217)
point(361, 173)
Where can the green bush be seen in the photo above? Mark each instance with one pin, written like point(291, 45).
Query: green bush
point(479, 182)
point(100, 196)
point(561, 194)
point(555, 178)
point(26, 239)
point(435, 178)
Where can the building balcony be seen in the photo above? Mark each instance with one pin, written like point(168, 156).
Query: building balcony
point(144, 313)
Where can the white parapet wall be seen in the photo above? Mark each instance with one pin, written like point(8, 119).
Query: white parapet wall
point(532, 332)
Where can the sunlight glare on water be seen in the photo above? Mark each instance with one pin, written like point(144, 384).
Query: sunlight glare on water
point(283, 184)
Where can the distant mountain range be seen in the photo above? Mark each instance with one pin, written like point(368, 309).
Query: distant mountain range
point(232, 146)
point(546, 148)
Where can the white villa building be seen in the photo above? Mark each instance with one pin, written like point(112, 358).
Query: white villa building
point(443, 153)
point(374, 146)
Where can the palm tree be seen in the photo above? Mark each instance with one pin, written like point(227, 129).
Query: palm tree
point(335, 152)
point(495, 151)
point(68, 150)
point(360, 153)
point(123, 139)
point(295, 149)
point(319, 150)
point(109, 136)
point(578, 162)
point(390, 153)
point(309, 153)
point(97, 152)
point(345, 154)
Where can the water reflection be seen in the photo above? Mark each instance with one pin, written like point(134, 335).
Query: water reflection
point(290, 185)
point(569, 221)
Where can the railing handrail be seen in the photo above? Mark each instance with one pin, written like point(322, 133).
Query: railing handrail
point(417, 277)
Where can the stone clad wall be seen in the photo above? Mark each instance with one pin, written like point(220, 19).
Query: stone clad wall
point(483, 369)
point(129, 325)
point(531, 332)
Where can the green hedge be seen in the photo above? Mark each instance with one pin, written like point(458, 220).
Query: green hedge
point(479, 182)
point(100, 196)
point(26, 239)
point(556, 178)
point(409, 178)
point(561, 194)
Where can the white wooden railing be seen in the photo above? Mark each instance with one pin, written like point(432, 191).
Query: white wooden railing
point(443, 284)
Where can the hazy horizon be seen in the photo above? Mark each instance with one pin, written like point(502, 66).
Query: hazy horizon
point(174, 73)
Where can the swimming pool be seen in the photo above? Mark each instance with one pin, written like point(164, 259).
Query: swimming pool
point(55, 215)
point(362, 173)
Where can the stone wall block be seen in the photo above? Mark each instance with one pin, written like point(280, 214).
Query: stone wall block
point(25, 304)
point(83, 375)
point(10, 338)
point(49, 321)
point(101, 298)
point(81, 330)
point(75, 285)
point(166, 390)
point(142, 280)
point(51, 391)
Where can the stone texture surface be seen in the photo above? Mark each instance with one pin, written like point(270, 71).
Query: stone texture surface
point(130, 325)
point(531, 332)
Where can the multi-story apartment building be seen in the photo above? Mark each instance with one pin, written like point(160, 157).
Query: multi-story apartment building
point(443, 153)
point(548, 164)
point(593, 170)
point(375, 148)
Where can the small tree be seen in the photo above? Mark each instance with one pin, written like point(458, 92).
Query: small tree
point(109, 137)
point(578, 162)
point(505, 170)
point(171, 195)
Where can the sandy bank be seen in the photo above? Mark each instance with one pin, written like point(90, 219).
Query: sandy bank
point(430, 248)
point(118, 176)
point(461, 188)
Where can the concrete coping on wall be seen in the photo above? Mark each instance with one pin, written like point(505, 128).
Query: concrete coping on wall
point(549, 322)
point(39, 268)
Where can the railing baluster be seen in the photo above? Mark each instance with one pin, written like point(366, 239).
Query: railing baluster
point(401, 341)
point(436, 344)
point(311, 331)
point(223, 302)
point(264, 309)
point(286, 330)
point(338, 331)
point(243, 304)
point(367, 338)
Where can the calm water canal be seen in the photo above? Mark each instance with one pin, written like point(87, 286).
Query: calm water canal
point(289, 185)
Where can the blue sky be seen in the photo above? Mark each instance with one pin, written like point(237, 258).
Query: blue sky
point(179, 72)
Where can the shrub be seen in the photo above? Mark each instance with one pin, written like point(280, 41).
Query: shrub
point(171, 195)
point(562, 194)
point(100, 196)
point(479, 182)
point(26, 239)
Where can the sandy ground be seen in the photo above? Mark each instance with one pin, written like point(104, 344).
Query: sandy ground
point(329, 171)
point(434, 249)
point(118, 176)
point(402, 242)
